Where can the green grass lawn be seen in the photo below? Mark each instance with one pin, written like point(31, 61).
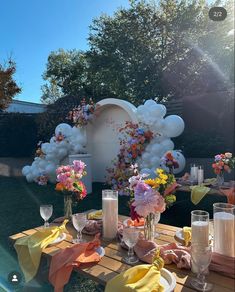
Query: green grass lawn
point(19, 210)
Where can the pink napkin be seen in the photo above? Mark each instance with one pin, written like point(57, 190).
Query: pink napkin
point(223, 264)
point(230, 194)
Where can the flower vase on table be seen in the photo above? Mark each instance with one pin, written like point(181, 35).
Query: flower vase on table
point(220, 178)
point(149, 227)
point(68, 209)
point(70, 185)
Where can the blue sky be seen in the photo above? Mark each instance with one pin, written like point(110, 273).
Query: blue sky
point(31, 29)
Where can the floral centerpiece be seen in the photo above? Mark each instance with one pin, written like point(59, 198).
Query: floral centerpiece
point(83, 113)
point(223, 163)
point(132, 144)
point(151, 196)
point(170, 162)
point(70, 184)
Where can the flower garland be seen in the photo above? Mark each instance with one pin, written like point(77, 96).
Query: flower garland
point(133, 143)
point(83, 113)
point(170, 162)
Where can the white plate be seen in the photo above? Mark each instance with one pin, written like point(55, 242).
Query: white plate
point(125, 224)
point(59, 239)
point(101, 251)
point(167, 280)
point(179, 235)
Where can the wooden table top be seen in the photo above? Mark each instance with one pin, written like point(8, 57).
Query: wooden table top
point(111, 264)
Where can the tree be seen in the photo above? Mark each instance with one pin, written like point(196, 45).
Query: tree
point(8, 86)
point(150, 49)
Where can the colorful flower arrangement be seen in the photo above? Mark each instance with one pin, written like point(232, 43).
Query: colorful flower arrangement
point(42, 180)
point(170, 161)
point(223, 162)
point(151, 195)
point(59, 137)
point(69, 179)
point(83, 113)
point(133, 142)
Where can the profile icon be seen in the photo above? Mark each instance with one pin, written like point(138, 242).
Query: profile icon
point(14, 278)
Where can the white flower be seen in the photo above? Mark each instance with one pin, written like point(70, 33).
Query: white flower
point(228, 155)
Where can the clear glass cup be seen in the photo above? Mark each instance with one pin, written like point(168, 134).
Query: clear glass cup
point(201, 258)
point(130, 238)
point(46, 212)
point(200, 227)
point(79, 222)
point(157, 217)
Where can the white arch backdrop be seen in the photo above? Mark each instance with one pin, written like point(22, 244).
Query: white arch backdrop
point(103, 139)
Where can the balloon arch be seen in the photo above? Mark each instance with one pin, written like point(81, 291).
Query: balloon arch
point(72, 140)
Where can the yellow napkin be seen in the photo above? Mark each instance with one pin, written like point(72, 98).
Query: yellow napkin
point(209, 181)
point(197, 193)
point(141, 278)
point(95, 215)
point(29, 248)
point(187, 235)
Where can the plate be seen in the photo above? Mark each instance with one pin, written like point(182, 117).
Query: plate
point(179, 236)
point(101, 251)
point(59, 239)
point(167, 280)
point(126, 224)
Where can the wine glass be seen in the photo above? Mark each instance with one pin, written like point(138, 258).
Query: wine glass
point(157, 216)
point(201, 258)
point(79, 222)
point(46, 212)
point(130, 237)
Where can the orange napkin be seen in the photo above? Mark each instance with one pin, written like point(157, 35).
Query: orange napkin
point(230, 194)
point(64, 261)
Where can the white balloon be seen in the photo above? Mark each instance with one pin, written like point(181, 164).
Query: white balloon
point(158, 110)
point(44, 147)
point(173, 126)
point(155, 161)
point(167, 145)
point(140, 109)
point(64, 129)
point(26, 169)
point(29, 177)
point(149, 103)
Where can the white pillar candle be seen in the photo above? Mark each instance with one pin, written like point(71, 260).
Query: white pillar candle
point(200, 176)
point(194, 173)
point(224, 240)
point(200, 232)
point(110, 217)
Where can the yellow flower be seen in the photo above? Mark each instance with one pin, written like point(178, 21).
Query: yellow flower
point(163, 182)
point(159, 170)
point(170, 199)
point(158, 180)
point(163, 176)
point(151, 182)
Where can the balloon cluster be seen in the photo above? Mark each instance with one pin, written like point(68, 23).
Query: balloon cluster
point(151, 115)
point(67, 140)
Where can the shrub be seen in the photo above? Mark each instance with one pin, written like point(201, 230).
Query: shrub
point(18, 134)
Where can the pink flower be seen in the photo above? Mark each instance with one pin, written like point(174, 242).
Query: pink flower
point(150, 202)
point(79, 165)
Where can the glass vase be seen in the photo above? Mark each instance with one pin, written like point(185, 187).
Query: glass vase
point(220, 179)
point(68, 201)
point(149, 227)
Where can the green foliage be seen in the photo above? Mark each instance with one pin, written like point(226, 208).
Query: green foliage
point(18, 136)
point(8, 86)
point(201, 144)
point(151, 49)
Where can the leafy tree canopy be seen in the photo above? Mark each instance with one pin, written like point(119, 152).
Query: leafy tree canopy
point(8, 86)
point(151, 49)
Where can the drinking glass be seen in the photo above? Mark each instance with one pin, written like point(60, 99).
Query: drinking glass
point(200, 175)
point(46, 212)
point(201, 258)
point(157, 217)
point(130, 237)
point(193, 174)
point(79, 222)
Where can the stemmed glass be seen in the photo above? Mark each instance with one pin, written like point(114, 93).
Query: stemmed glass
point(201, 257)
point(130, 237)
point(46, 212)
point(157, 216)
point(79, 222)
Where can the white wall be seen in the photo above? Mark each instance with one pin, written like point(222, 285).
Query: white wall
point(25, 107)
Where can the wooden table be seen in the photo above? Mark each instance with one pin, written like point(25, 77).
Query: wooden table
point(111, 264)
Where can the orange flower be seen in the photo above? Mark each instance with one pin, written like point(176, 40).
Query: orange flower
point(59, 187)
point(169, 156)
